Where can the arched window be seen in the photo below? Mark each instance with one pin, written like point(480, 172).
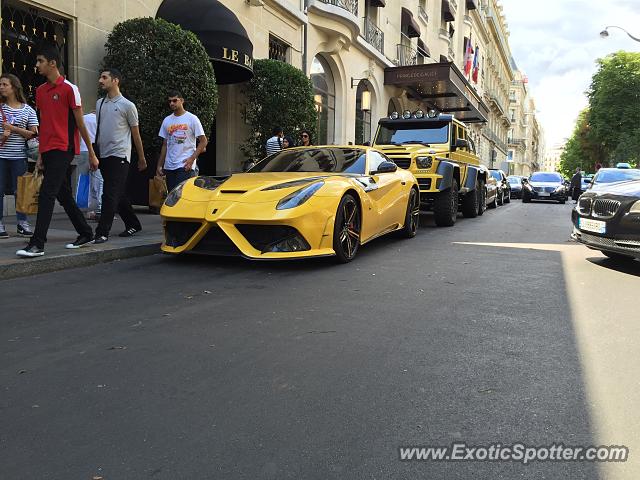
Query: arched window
point(363, 113)
point(324, 94)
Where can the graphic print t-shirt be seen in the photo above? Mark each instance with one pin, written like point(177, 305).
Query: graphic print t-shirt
point(180, 132)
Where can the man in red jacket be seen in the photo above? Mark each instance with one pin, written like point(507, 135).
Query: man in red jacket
point(58, 101)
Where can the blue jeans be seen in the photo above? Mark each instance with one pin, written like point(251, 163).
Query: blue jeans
point(11, 169)
point(176, 177)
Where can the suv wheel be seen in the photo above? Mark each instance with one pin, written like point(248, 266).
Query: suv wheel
point(507, 198)
point(471, 202)
point(482, 198)
point(445, 207)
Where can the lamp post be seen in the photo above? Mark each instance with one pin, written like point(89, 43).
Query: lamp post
point(604, 33)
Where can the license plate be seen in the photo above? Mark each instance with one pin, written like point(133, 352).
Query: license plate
point(543, 194)
point(592, 225)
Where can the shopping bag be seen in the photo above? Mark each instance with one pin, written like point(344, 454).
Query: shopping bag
point(27, 194)
point(157, 191)
point(82, 192)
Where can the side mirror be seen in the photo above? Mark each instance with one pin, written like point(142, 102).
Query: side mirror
point(461, 143)
point(385, 167)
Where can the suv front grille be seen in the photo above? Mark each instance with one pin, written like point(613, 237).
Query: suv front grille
point(402, 161)
point(603, 208)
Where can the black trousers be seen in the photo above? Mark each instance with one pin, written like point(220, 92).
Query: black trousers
point(57, 184)
point(114, 173)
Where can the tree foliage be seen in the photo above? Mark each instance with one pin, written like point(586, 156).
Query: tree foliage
point(614, 107)
point(156, 56)
point(278, 95)
point(580, 150)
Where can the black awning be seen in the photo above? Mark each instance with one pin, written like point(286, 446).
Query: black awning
point(423, 49)
point(409, 24)
point(472, 4)
point(377, 3)
point(448, 11)
point(441, 86)
point(223, 36)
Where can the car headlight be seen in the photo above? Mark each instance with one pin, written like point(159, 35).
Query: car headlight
point(424, 162)
point(174, 195)
point(298, 197)
point(635, 208)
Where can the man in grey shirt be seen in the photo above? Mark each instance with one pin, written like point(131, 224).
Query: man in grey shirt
point(117, 123)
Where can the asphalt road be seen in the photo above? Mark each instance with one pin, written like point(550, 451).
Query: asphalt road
point(499, 329)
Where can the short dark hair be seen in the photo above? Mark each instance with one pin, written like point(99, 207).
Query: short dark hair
point(277, 130)
point(307, 132)
point(174, 93)
point(50, 52)
point(114, 73)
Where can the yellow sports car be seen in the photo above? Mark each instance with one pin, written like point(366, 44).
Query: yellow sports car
point(299, 202)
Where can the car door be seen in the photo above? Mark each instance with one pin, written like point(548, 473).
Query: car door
point(388, 202)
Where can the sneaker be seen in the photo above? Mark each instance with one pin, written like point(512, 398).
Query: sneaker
point(24, 229)
point(129, 232)
point(3, 231)
point(100, 239)
point(30, 251)
point(81, 241)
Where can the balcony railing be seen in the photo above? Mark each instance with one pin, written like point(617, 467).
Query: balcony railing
point(406, 55)
point(518, 142)
point(373, 35)
point(348, 5)
point(496, 140)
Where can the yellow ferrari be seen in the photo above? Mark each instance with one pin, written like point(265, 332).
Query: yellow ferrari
point(297, 203)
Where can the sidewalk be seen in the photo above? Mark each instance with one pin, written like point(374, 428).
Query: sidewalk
point(61, 232)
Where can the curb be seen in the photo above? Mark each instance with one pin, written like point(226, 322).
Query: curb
point(27, 267)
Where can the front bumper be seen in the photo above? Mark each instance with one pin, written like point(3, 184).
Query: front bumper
point(247, 230)
point(623, 235)
point(533, 195)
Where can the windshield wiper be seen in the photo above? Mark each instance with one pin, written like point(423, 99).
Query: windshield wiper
point(416, 141)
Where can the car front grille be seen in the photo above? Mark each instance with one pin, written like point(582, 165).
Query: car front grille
point(544, 189)
point(402, 161)
point(261, 237)
point(424, 183)
point(177, 234)
point(630, 245)
point(216, 242)
point(584, 206)
point(604, 208)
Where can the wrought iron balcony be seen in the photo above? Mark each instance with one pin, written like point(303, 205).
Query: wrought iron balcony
point(520, 142)
point(373, 35)
point(497, 141)
point(406, 55)
point(348, 5)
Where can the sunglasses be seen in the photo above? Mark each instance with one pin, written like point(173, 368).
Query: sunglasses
point(173, 100)
point(305, 136)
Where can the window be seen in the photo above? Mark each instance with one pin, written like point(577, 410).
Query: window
point(278, 50)
point(375, 159)
point(324, 94)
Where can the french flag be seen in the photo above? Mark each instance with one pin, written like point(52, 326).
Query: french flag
point(468, 58)
point(476, 65)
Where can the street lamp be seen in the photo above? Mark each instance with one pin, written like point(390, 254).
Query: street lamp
point(604, 33)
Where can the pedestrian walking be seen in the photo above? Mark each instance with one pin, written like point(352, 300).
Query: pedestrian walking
point(19, 124)
point(305, 137)
point(274, 144)
point(95, 177)
point(117, 124)
point(179, 152)
point(58, 101)
point(576, 185)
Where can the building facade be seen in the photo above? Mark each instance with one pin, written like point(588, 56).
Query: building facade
point(358, 54)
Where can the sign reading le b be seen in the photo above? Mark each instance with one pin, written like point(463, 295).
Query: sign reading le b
point(232, 55)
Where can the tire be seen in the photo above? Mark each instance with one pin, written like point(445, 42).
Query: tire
point(561, 202)
point(507, 199)
point(618, 257)
point(445, 207)
point(412, 217)
point(482, 202)
point(346, 229)
point(500, 198)
point(494, 204)
point(471, 202)
point(525, 199)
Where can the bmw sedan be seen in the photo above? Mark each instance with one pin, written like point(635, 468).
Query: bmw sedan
point(516, 185)
point(608, 219)
point(545, 186)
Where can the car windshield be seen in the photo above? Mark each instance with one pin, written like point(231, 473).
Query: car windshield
point(617, 175)
point(514, 180)
point(546, 177)
point(327, 159)
point(436, 132)
point(496, 175)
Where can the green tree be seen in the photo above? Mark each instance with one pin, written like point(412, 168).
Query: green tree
point(614, 107)
point(156, 56)
point(278, 95)
point(580, 150)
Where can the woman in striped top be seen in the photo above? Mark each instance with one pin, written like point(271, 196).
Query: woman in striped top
point(19, 123)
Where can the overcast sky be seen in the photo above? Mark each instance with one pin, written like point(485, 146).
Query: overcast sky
point(556, 43)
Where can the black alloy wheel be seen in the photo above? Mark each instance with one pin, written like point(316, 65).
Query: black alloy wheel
point(507, 198)
point(471, 202)
point(500, 198)
point(482, 200)
point(346, 229)
point(412, 217)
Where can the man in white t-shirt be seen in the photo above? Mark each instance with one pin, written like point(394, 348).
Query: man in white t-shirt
point(179, 153)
